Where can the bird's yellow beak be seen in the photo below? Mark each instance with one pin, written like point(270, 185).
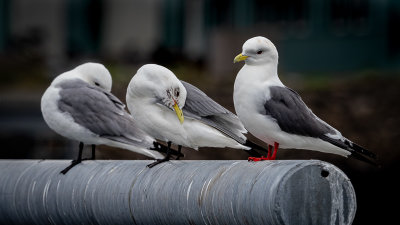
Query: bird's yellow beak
point(178, 112)
point(239, 58)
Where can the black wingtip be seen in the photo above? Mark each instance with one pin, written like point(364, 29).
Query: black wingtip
point(361, 153)
point(356, 150)
point(363, 158)
point(253, 145)
point(361, 150)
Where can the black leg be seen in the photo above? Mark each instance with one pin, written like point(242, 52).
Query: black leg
point(166, 158)
point(93, 152)
point(75, 162)
point(179, 152)
point(161, 148)
point(80, 152)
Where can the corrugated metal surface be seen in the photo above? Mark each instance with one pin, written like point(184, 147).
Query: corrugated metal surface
point(176, 192)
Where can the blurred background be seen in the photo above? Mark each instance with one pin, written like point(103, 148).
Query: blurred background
point(342, 56)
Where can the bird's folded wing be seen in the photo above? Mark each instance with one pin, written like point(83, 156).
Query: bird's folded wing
point(100, 112)
point(201, 107)
point(293, 116)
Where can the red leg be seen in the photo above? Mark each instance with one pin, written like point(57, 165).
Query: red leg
point(256, 159)
point(269, 151)
point(276, 146)
point(262, 158)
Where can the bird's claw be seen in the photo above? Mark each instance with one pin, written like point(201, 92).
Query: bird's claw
point(256, 159)
point(73, 163)
point(158, 161)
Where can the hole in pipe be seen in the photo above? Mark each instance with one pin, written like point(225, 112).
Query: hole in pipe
point(324, 173)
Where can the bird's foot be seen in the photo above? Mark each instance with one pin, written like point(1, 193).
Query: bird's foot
point(256, 159)
point(161, 148)
point(269, 156)
point(73, 163)
point(158, 161)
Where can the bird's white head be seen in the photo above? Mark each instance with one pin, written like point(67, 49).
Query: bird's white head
point(160, 85)
point(92, 73)
point(258, 51)
point(95, 74)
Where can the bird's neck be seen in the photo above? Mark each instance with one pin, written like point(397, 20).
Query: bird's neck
point(260, 74)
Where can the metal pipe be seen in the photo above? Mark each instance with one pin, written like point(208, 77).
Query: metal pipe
point(175, 192)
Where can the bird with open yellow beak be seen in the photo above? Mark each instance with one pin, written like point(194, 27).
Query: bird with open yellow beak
point(159, 101)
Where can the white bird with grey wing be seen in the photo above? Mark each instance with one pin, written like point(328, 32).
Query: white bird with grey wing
point(175, 111)
point(275, 113)
point(78, 105)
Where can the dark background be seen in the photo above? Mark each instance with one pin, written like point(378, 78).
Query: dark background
point(342, 56)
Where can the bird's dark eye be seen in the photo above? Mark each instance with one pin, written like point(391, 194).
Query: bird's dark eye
point(176, 92)
point(259, 52)
point(97, 84)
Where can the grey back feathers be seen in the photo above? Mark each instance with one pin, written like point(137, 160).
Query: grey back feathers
point(200, 102)
point(201, 107)
point(294, 117)
point(100, 112)
point(292, 114)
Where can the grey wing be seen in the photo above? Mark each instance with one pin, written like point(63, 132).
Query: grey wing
point(294, 117)
point(199, 106)
point(102, 113)
point(292, 114)
point(115, 100)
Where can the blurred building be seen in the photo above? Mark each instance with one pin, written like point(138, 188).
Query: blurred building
point(311, 35)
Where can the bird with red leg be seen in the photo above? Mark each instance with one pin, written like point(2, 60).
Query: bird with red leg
point(269, 156)
point(276, 114)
